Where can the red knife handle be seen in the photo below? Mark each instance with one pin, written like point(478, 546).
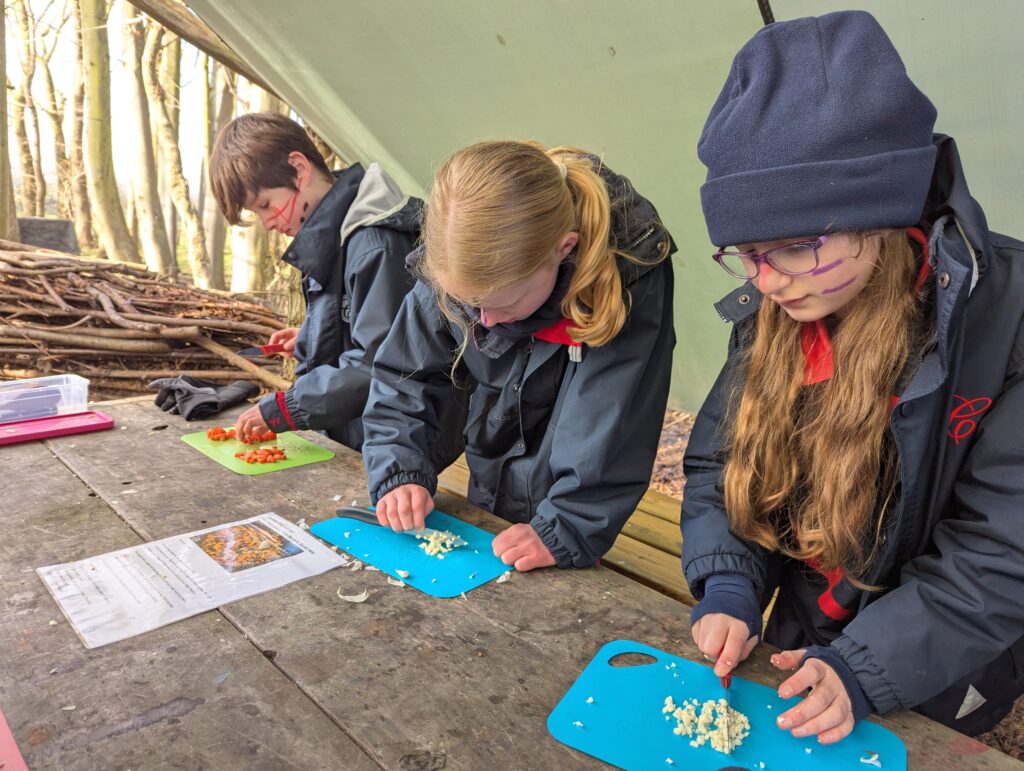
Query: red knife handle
point(727, 680)
point(272, 348)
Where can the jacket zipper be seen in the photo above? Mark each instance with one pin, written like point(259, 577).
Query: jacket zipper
point(641, 238)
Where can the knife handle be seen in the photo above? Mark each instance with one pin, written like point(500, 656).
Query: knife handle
point(354, 512)
point(272, 348)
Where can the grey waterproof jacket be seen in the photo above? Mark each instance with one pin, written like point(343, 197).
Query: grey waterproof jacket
point(351, 252)
point(947, 633)
point(565, 446)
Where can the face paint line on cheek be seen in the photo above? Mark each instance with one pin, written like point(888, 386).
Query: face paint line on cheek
point(826, 268)
point(839, 288)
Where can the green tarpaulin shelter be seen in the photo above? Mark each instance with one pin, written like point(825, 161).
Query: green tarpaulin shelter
point(406, 82)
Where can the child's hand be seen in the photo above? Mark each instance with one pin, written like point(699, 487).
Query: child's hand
point(405, 508)
point(724, 640)
point(287, 338)
point(250, 421)
point(521, 547)
point(826, 711)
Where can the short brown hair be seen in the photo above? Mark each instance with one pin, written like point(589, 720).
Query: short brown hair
point(251, 153)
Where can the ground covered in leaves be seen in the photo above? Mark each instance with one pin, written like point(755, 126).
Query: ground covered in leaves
point(668, 478)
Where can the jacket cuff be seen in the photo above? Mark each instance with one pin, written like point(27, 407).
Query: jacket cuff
point(404, 478)
point(272, 415)
point(699, 569)
point(832, 657)
point(879, 691)
point(732, 595)
point(545, 529)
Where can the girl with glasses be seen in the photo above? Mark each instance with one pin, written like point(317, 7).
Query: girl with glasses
point(544, 304)
point(861, 452)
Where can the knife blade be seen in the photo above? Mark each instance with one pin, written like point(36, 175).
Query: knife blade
point(726, 682)
point(370, 518)
point(262, 350)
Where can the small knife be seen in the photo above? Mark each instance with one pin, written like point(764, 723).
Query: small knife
point(726, 682)
point(262, 350)
point(370, 518)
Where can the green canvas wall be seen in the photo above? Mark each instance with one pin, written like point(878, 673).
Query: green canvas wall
point(406, 83)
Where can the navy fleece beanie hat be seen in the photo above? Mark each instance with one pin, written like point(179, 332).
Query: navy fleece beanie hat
point(817, 129)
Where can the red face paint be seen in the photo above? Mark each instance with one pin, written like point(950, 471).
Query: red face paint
point(287, 211)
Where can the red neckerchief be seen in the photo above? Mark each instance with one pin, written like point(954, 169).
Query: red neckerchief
point(814, 338)
point(557, 333)
point(817, 348)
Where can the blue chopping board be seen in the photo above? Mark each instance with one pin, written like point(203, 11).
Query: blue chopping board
point(624, 724)
point(462, 569)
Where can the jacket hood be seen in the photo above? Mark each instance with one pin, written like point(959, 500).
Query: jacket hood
point(358, 198)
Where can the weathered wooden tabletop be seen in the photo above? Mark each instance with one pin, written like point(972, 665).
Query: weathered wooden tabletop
point(296, 678)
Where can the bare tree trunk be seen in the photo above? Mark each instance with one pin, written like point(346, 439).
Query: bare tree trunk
point(151, 232)
point(8, 214)
point(221, 107)
point(54, 109)
point(99, 161)
point(250, 247)
point(33, 187)
point(169, 76)
point(196, 241)
point(76, 161)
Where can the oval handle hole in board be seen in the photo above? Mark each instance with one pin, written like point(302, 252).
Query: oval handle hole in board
point(631, 660)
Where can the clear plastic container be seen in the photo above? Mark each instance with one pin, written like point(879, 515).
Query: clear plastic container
point(42, 397)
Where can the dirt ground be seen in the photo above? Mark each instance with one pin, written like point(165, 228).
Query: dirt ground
point(668, 478)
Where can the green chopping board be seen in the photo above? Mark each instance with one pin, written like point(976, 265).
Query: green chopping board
point(300, 452)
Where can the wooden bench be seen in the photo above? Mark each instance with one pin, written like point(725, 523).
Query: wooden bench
point(648, 549)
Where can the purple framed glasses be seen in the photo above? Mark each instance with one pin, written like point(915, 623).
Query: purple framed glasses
point(794, 259)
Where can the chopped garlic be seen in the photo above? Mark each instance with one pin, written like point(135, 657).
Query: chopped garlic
point(709, 726)
point(439, 543)
point(402, 573)
point(395, 581)
point(577, 723)
point(361, 597)
point(871, 759)
point(506, 576)
point(590, 700)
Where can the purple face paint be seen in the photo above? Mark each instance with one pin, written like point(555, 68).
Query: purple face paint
point(839, 288)
point(826, 268)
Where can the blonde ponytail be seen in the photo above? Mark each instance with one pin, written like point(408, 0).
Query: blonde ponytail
point(497, 212)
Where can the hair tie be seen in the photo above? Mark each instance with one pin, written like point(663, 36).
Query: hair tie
point(562, 170)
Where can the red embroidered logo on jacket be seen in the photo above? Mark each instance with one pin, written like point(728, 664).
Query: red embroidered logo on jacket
point(961, 419)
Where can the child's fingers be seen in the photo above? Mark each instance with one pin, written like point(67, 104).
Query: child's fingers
point(839, 732)
point(732, 649)
point(831, 717)
point(406, 515)
point(529, 562)
point(748, 647)
point(515, 553)
point(788, 659)
point(809, 674)
point(715, 633)
point(383, 506)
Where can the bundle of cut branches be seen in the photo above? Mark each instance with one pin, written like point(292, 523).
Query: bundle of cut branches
point(121, 326)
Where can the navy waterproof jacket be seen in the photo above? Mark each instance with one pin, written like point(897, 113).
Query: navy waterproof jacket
point(946, 634)
point(563, 445)
point(351, 252)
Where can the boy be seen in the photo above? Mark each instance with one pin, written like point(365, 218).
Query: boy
point(352, 230)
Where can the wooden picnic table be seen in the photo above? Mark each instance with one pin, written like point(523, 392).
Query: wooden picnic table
point(296, 678)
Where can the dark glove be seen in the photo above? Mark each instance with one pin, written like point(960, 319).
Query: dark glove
point(195, 399)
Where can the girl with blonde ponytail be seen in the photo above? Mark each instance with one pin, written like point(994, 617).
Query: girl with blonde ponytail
point(544, 305)
point(860, 456)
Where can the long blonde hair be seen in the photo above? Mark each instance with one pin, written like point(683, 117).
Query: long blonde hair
point(496, 213)
point(813, 469)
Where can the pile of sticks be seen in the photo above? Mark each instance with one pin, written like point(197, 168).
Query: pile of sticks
point(122, 326)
